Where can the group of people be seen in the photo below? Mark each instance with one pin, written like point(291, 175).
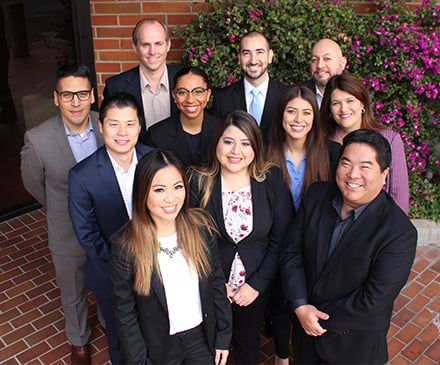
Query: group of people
point(194, 226)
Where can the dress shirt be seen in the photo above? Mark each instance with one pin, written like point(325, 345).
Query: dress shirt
point(296, 179)
point(125, 180)
point(249, 96)
point(82, 144)
point(181, 286)
point(156, 102)
point(319, 96)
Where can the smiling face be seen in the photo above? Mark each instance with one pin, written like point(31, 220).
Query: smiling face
point(191, 106)
point(166, 196)
point(346, 110)
point(120, 130)
point(326, 61)
point(298, 119)
point(234, 151)
point(254, 58)
point(152, 47)
point(358, 175)
point(75, 113)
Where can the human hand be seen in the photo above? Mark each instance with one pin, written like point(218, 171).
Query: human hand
point(229, 292)
point(308, 315)
point(244, 295)
point(221, 356)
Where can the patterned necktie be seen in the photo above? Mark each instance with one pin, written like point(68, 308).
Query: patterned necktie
point(255, 107)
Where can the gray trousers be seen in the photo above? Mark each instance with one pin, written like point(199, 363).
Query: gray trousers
point(69, 272)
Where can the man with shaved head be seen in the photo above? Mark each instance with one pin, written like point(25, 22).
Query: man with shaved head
point(326, 61)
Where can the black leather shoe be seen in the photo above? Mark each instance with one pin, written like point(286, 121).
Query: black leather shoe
point(80, 355)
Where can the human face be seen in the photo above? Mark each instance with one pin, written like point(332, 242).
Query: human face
point(254, 57)
point(298, 119)
point(346, 110)
point(152, 48)
point(120, 130)
point(234, 151)
point(191, 107)
point(358, 175)
point(326, 61)
point(166, 196)
point(75, 113)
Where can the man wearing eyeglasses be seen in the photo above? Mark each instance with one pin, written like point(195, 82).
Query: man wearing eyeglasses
point(50, 150)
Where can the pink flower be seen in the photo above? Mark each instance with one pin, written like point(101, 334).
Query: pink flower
point(204, 58)
point(232, 38)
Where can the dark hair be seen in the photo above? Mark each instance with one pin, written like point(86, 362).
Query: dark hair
point(351, 84)
point(72, 70)
point(194, 71)
point(373, 139)
point(140, 235)
point(253, 34)
point(135, 35)
point(119, 100)
point(318, 160)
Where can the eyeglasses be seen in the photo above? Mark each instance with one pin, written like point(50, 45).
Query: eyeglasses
point(197, 92)
point(66, 96)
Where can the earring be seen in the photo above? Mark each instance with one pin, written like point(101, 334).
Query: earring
point(363, 110)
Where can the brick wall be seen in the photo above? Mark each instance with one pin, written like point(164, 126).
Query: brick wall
point(113, 21)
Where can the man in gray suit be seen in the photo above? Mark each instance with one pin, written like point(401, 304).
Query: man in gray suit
point(50, 150)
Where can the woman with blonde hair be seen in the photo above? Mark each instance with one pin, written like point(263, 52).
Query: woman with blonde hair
point(251, 205)
point(168, 285)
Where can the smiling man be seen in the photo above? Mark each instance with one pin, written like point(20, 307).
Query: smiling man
point(326, 61)
point(152, 81)
point(100, 189)
point(256, 93)
point(347, 257)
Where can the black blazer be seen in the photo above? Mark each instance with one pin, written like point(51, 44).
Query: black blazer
point(272, 216)
point(334, 152)
point(359, 282)
point(143, 320)
point(97, 210)
point(169, 135)
point(232, 98)
point(130, 82)
point(310, 84)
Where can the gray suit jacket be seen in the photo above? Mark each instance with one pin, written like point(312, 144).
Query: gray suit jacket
point(46, 158)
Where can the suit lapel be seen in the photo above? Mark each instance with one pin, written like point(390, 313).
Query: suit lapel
point(63, 143)
point(159, 290)
point(238, 96)
point(266, 118)
point(324, 235)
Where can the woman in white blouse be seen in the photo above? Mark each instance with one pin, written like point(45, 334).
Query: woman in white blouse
point(251, 205)
point(168, 285)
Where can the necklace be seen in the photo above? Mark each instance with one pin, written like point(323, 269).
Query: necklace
point(169, 252)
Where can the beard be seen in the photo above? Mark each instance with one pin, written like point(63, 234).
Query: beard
point(254, 76)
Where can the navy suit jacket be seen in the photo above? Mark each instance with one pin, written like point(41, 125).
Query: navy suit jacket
point(272, 216)
point(130, 82)
point(97, 210)
point(169, 135)
point(232, 98)
point(358, 283)
point(310, 84)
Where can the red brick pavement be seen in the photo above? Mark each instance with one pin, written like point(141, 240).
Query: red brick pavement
point(31, 318)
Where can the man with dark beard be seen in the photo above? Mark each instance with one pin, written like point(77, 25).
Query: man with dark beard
point(326, 61)
point(256, 93)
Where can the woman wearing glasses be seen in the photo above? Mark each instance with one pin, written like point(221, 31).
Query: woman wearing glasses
point(189, 133)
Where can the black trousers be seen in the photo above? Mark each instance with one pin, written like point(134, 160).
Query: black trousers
point(189, 347)
point(247, 324)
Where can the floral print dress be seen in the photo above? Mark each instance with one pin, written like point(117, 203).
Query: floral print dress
point(237, 214)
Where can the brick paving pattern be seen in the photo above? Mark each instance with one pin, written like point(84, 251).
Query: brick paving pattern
point(32, 325)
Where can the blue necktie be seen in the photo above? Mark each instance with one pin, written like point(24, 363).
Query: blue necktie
point(255, 107)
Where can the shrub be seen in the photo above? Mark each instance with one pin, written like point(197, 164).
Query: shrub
point(394, 50)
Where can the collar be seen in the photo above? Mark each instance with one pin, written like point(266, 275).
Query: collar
point(263, 87)
point(163, 81)
point(355, 213)
point(119, 169)
point(70, 133)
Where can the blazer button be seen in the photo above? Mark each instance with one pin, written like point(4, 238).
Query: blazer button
point(206, 315)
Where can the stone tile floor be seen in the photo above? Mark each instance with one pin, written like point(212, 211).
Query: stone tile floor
point(32, 326)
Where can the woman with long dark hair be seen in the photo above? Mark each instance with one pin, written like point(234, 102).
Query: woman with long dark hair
point(168, 285)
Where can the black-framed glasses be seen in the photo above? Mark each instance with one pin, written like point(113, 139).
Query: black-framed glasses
point(66, 96)
point(198, 93)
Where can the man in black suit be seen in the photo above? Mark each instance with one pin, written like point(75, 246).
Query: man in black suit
point(152, 81)
point(256, 93)
point(326, 61)
point(348, 255)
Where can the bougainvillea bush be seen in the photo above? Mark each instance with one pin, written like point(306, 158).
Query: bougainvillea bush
point(393, 49)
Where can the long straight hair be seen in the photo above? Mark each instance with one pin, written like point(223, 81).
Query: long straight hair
point(318, 160)
point(140, 234)
point(258, 168)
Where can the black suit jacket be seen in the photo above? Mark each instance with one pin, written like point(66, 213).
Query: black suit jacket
point(310, 84)
point(169, 135)
point(359, 282)
point(143, 320)
point(232, 98)
point(272, 216)
point(97, 210)
point(130, 82)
